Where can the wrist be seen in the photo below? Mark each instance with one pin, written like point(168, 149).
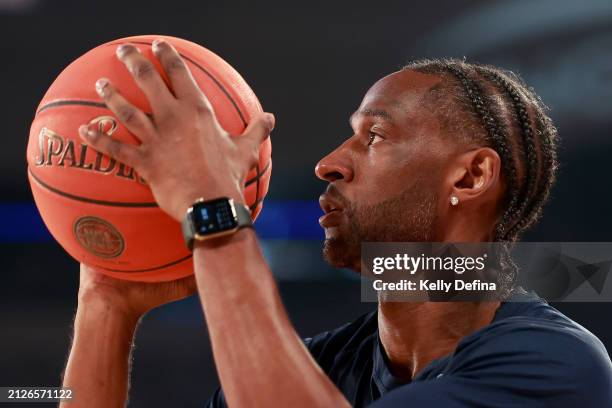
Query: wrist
point(207, 194)
point(229, 243)
point(100, 301)
point(102, 328)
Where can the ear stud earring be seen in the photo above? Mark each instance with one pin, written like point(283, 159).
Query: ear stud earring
point(454, 200)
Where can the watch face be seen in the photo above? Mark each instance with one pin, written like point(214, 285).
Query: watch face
point(214, 216)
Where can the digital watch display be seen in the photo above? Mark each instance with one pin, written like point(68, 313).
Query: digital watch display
point(214, 218)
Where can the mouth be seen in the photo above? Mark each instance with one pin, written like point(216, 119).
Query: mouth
point(332, 211)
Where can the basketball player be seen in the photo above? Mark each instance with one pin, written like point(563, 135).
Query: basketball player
point(442, 150)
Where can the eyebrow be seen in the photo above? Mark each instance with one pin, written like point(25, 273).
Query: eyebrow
point(378, 113)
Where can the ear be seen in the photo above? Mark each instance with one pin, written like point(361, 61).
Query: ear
point(475, 173)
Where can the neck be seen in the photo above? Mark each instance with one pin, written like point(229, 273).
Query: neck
point(415, 334)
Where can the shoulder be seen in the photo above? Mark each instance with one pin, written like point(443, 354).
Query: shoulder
point(540, 359)
point(539, 337)
point(543, 352)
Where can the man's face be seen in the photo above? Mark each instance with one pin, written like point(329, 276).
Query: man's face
point(384, 181)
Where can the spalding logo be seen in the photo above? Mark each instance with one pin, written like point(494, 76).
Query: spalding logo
point(98, 237)
point(55, 150)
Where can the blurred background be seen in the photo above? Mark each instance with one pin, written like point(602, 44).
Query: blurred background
point(310, 64)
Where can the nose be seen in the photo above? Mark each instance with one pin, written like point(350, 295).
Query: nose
point(335, 166)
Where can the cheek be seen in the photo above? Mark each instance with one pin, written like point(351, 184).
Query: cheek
point(393, 170)
point(380, 175)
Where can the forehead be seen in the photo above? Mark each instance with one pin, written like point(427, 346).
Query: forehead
point(399, 94)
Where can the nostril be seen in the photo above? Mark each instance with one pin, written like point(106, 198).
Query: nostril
point(333, 176)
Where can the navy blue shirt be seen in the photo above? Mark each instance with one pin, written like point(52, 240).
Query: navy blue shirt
point(531, 355)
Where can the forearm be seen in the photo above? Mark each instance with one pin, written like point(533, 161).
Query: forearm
point(98, 365)
point(260, 359)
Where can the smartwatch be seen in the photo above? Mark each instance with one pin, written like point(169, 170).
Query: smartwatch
point(207, 219)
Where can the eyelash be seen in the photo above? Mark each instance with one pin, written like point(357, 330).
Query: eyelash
point(371, 138)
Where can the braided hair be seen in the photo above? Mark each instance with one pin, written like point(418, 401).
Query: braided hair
point(495, 108)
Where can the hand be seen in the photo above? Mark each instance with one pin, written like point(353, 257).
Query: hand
point(132, 299)
point(184, 153)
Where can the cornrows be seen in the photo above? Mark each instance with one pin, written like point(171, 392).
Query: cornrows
point(497, 134)
point(535, 188)
point(510, 118)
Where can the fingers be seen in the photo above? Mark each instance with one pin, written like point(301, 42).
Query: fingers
point(183, 83)
point(187, 286)
point(259, 129)
point(177, 289)
point(256, 132)
point(146, 76)
point(133, 118)
point(124, 153)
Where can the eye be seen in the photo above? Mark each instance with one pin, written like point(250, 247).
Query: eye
point(373, 138)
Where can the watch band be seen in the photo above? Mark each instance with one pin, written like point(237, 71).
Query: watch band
point(243, 215)
point(188, 225)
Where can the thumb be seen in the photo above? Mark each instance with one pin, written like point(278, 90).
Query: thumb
point(258, 130)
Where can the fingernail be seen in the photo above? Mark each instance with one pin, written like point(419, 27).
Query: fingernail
point(121, 50)
point(101, 86)
point(156, 44)
point(91, 134)
point(83, 130)
point(85, 133)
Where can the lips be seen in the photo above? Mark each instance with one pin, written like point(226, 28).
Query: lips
point(332, 209)
point(328, 204)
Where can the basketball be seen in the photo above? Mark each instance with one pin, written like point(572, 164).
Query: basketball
point(100, 211)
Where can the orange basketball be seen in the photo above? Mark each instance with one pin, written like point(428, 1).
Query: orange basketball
point(101, 211)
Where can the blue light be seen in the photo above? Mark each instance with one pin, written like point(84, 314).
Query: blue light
point(279, 219)
point(20, 222)
point(204, 212)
